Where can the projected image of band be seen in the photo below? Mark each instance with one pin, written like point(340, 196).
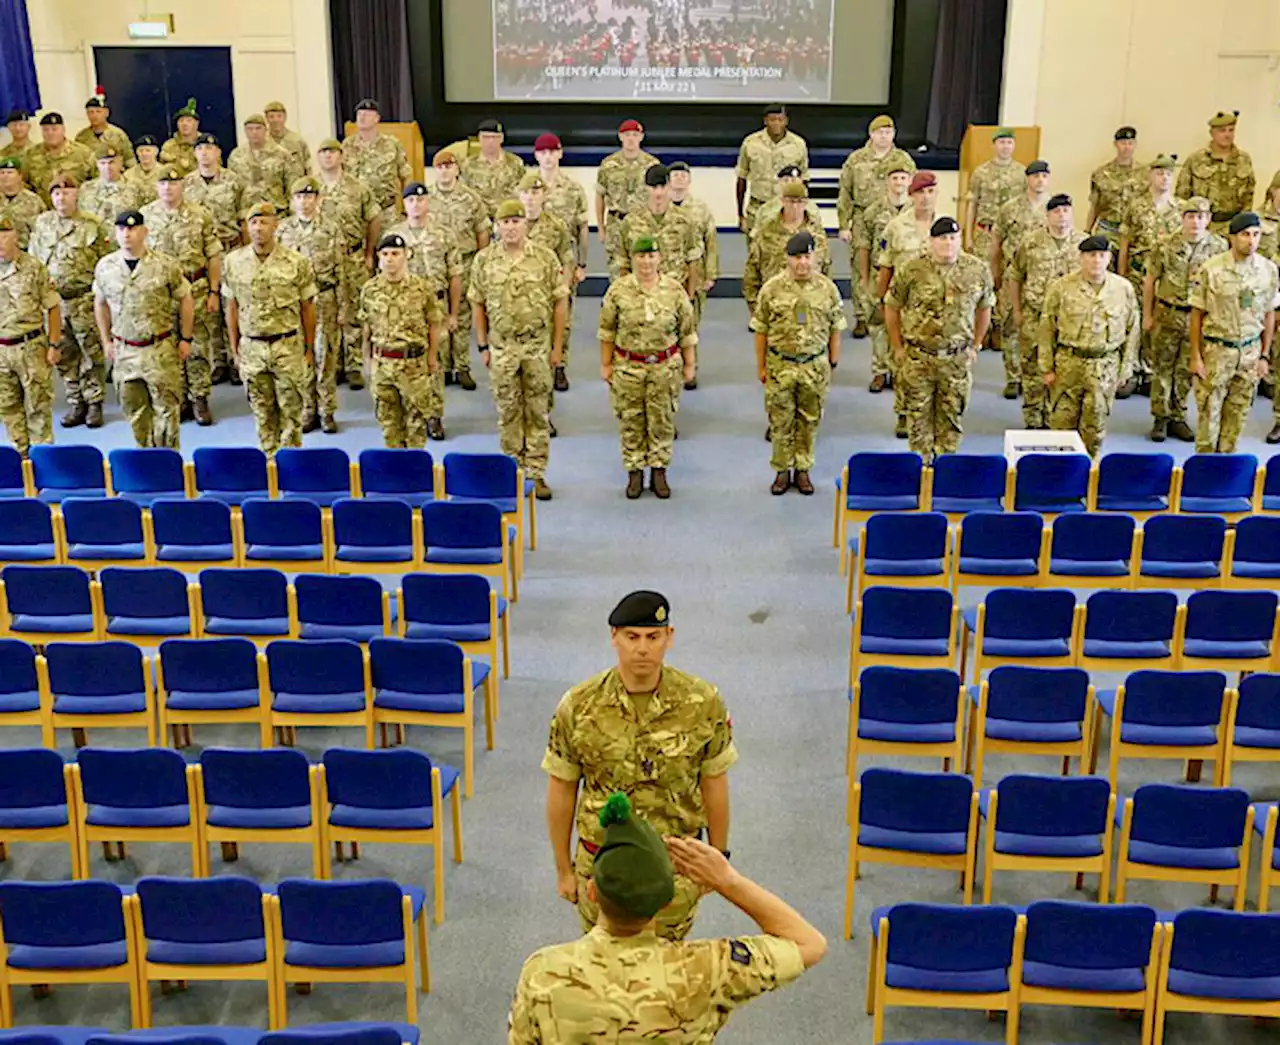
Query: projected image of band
point(663, 50)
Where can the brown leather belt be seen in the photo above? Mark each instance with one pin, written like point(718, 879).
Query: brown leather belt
point(270, 339)
point(651, 357)
point(22, 339)
point(148, 341)
point(412, 352)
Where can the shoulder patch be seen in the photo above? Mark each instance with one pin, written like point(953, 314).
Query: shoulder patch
point(739, 952)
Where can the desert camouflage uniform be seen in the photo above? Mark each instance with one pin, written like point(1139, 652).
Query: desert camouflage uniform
point(350, 204)
point(901, 241)
point(1013, 221)
point(1089, 339)
point(177, 152)
point(1235, 298)
point(862, 183)
point(797, 317)
point(111, 135)
point(433, 256)
point(1269, 246)
point(265, 173)
point(383, 167)
point(656, 749)
point(463, 211)
point(320, 242)
point(223, 197)
point(620, 182)
point(708, 270)
point(1228, 183)
point(759, 160)
point(868, 231)
point(991, 186)
point(767, 256)
point(1112, 189)
point(40, 166)
point(23, 209)
point(771, 209)
point(105, 199)
point(20, 151)
point(673, 231)
point(519, 291)
point(144, 181)
point(27, 294)
point(643, 394)
point(1144, 225)
point(148, 376)
point(494, 182)
point(269, 294)
point(567, 200)
point(399, 315)
point(549, 231)
point(296, 146)
point(70, 249)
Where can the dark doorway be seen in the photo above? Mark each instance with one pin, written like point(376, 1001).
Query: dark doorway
point(145, 86)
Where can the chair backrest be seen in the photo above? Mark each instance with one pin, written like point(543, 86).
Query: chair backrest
point(47, 590)
point(369, 1035)
point(349, 913)
point(61, 914)
point(24, 521)
point(1189, 817)
point(942, 938)
point(150, 591)
point(488, 476)
point(906, 535)
point(897, 800)
point(1050, 481)
point(338, 600)
point(230, 469)
point(1231, 616)
point(95, 669)
point(1001, 535)
point(102, 521)
point(177, 1037)
point(146, 470)
point(462, 525)
point(445, 598)
point(31, 777)
point(1226, 944)
point(17, 667)
point(368, 524)
point(911, 695)
point(144, 778)
point(1257, 539)
point(313, 469)
point(1029, 613)
point(1219, 475)
point(244, 593)
point(906, 613)
point(209, 665)
point(1092, 537)
point(10, 469)
point(277, 778)
point(282, 523)
point(1026, 694)
point(191, 522)
point(76, 467)
point(969, 475)
point(1184, 538)
point(19, 1037)
point(392, 471)
point(420, 666)
point(1134, 476)
point(1259, 703)
point(225, 909)
point(1271, 479)
point(315, 667)
point(1089, 935)
point(1053, 806)
point(391, 778)
point(1174, 698)
point(1130, 616)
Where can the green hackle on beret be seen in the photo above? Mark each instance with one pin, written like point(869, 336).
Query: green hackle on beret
point(632, 868)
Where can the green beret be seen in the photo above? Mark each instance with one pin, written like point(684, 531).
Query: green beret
point(632, 868)
point(1164, 162)
point(530, 182)
point(188, 110)
point(510, 209)
point(1224, 119)
point(11, 163)
point(641, 245)
point(310, 186)
point(1003, 132)
point(261, 210)
point(642, 609)
point(795, 190)
point(881, 121)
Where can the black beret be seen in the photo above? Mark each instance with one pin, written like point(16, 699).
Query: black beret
point(944, 226)
point(392, 239)
point(207, 139)
point(656, 175)
point(368, 103)
point(641, 609)
point(17, 116)
point(489, 127)
point(414, 188)
point(679, 165)
point(789, 171)
point(129, 219)
point(1247, 220)
point(775, 109)
point(1094, 244)
point(95, 103)
point(51, 119)
point(1060, 200)
point(1037, 167)
point(1125, 134)
point(800, 243)
point(146, 140)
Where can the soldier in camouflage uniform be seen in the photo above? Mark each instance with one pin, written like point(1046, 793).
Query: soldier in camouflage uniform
point(670, 228)
point(549, 231)
point(1013, 221)
point(400, 315)
point(1089, 330)
point(1044, 256)
point(767, 253)
point(265, 169)
point(772, 207)
point(1233, 297)
point(292, 142)
point(704, 224)
point(761, 156)
point(100, 132)
point(567, 200)
point(936, 314)
point(56, 156)
point(648, 341)
point(861, 184)
point(28, 303)
point(521, 303)
point(992, 185)
point(143, 176)
point(494, 173)
point(17, 203)
point(865, 245)
point(1221, 173)
point(136, 306)
point(108, 194)
point(320, 241)
point(377, 160)
point(464, 213)
point(69, 243)
point(659, 734)
point(620, 189)
point(271, 324)
point(186, 232)
point(1166, 315)
point(433, 256)
point(797, 323)
point(180, 150)
point(1113, 186)
point(18, 123)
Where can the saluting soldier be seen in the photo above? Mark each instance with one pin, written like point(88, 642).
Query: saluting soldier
point(493, 172)
point(108, 194)
point(18, 203)
point(648, 341)
point(180, 149)
point(867, 234)
point(264, 168)
point(101, 132)
point(620, 189)
point(30, 330)
point(797, 323)
point(292, 142)
point(143, 176)
point(761, 156)
point(567, 200)
point(1221, 172)
point(1089, 330)
point(521, 304)
point(55, 157)
point(70, 243)
point(614, 732)
point(137, 295)
point(1013, 221)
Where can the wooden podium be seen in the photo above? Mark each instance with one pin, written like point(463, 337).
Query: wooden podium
point(976, 148)
point(409, 136)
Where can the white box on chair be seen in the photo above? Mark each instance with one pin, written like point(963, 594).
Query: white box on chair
point(1021, 441)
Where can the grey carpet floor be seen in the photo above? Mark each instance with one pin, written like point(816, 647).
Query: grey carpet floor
point(757, 607)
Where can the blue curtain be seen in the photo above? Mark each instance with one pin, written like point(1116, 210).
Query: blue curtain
point(18, 87)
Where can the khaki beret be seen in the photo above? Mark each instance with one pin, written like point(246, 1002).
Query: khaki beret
point(308, 186)
point(1224, 119)
point(63, 181)
point(170, 174)
point(106, 152)
point(330, 145)
point(1164, 162)
point(6, 224)
point(256, 117)
point(261, 210)
point(794, 190)
point(881, 121)
point(1197, 205)
point(275, 107)
point(510, 209)
point(531, 182)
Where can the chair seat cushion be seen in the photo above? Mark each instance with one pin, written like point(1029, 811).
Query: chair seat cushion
point(232, 952)
point(355, 632)
point(344, 956)
point(904, 502)
point(465, 556)
point(1260, 570)
point(233, 497)
point(1140, 649)
point(324, 498)
point(1069, 978)
point(57, 494)
point(280, 819)
point(903, 567)
point(375, 552)
point(1062, 846)
point(1255, 736)
point(993, 646)
point(27, 552)
point(63, 624)
point(149, 625)
point(429, 703)
point(1203, 985)
point(905, 647)
point(123, 816)
point(1220, 859)
point(1171, 736)
point(91, 956)
point(1034, 732)
point(1048, 507)
point(12, 703)
point(945, 843)
point(420, 819)
point(1089, 567)
point(1226, 650)
point(1119, 502)
point(117, 704)
point(230, 700)
point(964, 505)
point(409, 1034)
point(452, 632)
point(1182, 570)
point(318, 703)
point(285, 552)
point(195, 552)
point(33, 817)
point(413, 498)
point(999, 567)
point(147, 498)
point(67, 1035)
point(506, 505)
point(132, 550)
point(907, 732)
point(985, 981)
point(229, 1035)
point(246, 626)
point(1214, 505)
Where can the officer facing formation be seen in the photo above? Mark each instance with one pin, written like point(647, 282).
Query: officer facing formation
point(30, 330)
point(761, 156)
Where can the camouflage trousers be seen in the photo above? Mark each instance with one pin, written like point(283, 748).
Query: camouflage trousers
point(1225, 395)
point(82, 366)
point(1170, 364)
point(863, 297)
point(357, 275)
point(673, 922)
point(275, 375)
point(197, 370)
point(455, 345)
point(1146, 346)
point(1010, 336)
point(1082, 396)
point(320, 393)
point(613, 247)
point(220, 354)
point(149, 384)
point(644, 401)
point(936, 393)
point(794, 396)
point(881, 353)
point(403, 398)
point(520, 378)
point(1035, 396)
point(26, 393)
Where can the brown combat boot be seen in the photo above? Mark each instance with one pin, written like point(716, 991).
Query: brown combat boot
point(1181, 431)
point(859, 330)
point(561, 380)
point(551, 428)
point(328, 425)
point(75, 417)
point(435, 429)
point(94, 417)
point(219, 375)
point(465, 381)
point(309, 423)
point(901, 430)
point(878, 384)
point(200, 409)
point(781, 484)
point(185, 412)
point(803, 483)
point(635, 485)
point(541, 490)
point(355, 380)
point(1159, 430)
point(658, 483)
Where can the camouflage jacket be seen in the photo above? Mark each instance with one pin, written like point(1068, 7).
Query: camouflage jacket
point(494, 182)
point(70, 248)
point(41, 166)
point(647, 321)
point(771, 209)
point(1234, 296)
point(1145, 225)
point(991, 186)
point(939, 303)
point(265, 173)
point(673, 230)
point(142, 180)
point(268, 292)
point(23, 209)
point(349, 204)
point(105, 199)
point(223, 197)
point(704, 225)
point(797, 316)
point(27, 294)
point(621, 181)
point(1100, 317)
point(1017, 218)
point(518, 291)
point(1113, 186)
point(142, 302)
point(868, 230)
point(549, 231)
point(465, 213)
point(399, 314)
point(1228, 183)
point(187, 234)
point(296, 146)
point(567, 200)
point(381, 165)
point(111, 135)
point(320, 242)
point(178, 153)
point(1040, 260)
point(760, 158)
point(432, 256)
point(862, 180)
point(901, 241)
point(1174, 261)
point(767, 255)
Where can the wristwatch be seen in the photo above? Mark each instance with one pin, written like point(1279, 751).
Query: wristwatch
point(725, 853)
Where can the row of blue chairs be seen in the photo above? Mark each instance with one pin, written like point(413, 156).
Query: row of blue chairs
point(1049, 627)
point(1085, 550)
point(1000, 959)
point(213, 929)
point(1055, 712)
point(230, 796)
point(343, 1033)
point(332, 682)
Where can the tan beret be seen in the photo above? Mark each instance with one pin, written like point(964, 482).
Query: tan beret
point(531, 181)
point(261, 210)
point(881, 121)
point(1197, 205)
point(256, 117)
point(330, 145)
point(275, 107)
point(510, 209)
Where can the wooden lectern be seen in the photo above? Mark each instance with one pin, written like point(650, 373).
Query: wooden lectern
point(976, 148)
point(409, 136)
